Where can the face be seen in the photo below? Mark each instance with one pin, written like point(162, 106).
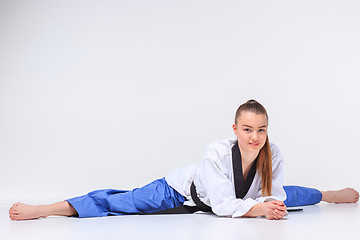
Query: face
point(251, 131)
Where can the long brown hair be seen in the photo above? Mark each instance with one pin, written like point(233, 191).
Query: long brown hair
point(264, 162)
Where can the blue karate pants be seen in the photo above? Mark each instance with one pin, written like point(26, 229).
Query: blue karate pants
point(301, 196)
point(155, 196)
point(158, 196)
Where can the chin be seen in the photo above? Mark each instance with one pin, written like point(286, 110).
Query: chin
point(252, 149)
point(255, 149)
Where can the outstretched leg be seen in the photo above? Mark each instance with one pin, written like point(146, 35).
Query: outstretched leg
point(302, 196)
point(21, 211)
point(153, 197)
point(346, 195)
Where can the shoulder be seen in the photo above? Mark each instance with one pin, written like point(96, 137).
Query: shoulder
point(274, 148)
point(221, 147)
point(219, 150)
point(275, 153)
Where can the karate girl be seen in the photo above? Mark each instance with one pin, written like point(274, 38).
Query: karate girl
point(240, 177)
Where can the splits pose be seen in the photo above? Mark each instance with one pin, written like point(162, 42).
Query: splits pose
point(240, 177)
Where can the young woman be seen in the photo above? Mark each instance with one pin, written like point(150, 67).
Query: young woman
point(240, 177)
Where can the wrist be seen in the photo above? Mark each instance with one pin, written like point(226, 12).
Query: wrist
point(258, 209)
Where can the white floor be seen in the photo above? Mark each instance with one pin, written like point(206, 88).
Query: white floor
point(331, 221)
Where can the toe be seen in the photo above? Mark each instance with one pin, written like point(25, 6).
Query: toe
point(14, 210)
point(12, 216)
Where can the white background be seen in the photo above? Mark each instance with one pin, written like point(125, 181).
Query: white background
point(115, 94)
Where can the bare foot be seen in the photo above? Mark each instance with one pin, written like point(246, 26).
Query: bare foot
point(346, 195)
point(21, 211)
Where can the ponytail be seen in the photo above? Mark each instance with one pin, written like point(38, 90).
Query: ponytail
point(264, 166)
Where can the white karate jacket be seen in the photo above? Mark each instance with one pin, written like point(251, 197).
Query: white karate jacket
point(214, 181)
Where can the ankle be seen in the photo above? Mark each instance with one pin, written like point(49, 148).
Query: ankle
point(328, 196)
point(61, 209)
point(44, 210)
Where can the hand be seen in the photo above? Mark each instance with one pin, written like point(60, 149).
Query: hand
point(275, 210)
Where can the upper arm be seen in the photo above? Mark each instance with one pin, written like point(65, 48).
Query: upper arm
point(214, 178)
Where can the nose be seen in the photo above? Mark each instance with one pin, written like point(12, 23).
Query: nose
point(254, 136)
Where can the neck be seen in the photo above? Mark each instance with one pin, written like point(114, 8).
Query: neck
point(248, 157)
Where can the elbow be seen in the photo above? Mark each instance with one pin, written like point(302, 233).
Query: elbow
point(221, 211)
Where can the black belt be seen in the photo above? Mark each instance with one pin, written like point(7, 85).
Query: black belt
point(241, 186)
point(200, 206)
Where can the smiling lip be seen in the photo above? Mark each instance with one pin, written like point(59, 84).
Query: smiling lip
point(254, 144)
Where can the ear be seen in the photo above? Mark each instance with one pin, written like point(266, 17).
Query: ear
point(234, 128)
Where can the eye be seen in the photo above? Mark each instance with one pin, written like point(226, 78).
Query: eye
point(262, 130)
point(247, 130)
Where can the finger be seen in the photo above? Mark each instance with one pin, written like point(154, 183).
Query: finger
point(281, 208)
point(279, 203)
point(278, 215)
point(283, 213)
point(277, 206)
point(272, 215)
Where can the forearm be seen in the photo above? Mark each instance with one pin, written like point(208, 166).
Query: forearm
point(257, 210)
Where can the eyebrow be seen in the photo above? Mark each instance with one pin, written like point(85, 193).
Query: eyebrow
point(252, 127)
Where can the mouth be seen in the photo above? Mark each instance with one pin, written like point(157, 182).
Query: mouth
point(254, 144)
